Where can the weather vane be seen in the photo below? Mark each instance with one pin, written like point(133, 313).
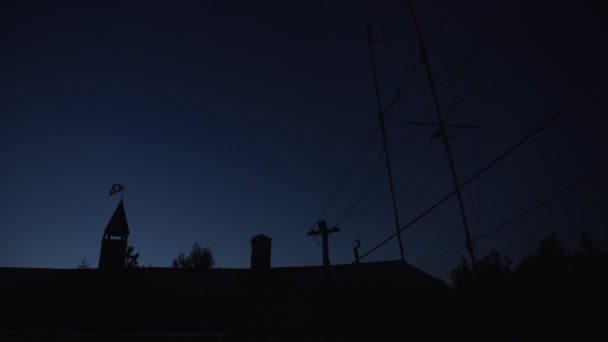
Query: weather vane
point(116, 188)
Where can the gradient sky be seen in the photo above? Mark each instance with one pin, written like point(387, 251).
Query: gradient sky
point(225, 119)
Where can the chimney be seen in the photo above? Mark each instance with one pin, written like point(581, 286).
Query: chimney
point(260, 252)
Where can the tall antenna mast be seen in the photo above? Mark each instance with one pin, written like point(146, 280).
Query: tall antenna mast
point(444, 136)
point(384, 140)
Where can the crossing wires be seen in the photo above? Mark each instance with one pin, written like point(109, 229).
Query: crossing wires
point(387, 110)
point(500, 157)
point(578, 182)
point(446, 144)
point(460, 71)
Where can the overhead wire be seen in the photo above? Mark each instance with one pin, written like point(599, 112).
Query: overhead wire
point(387, 110)
point(464, 66)
point(426, 115)
point(503, 155)
point(442, 253)
point(346, 176)
point(546, 201)
point(415, 68)
point(376, 177)
point(578, 182)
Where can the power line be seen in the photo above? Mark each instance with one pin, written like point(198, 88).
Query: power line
point(387, 111)
point(426, 115)
point(318, 243)
point(371, 184)
point(369, 187)
point(389, 107)
point(411, 74)
point(503, 155)
point(576, 183)
point(464, 66)
point(477, 47)
point(402, 89)
point(546, 201)
point(445, 20)
point(346, 176)
point(447, 251)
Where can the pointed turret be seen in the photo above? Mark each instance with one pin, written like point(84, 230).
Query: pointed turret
point(115, 240)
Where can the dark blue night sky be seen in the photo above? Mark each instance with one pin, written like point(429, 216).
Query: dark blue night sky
point(225, 119)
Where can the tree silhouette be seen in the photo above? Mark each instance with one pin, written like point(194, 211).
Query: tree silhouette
point(493, 271)
point(492, 274)
point(550, 266)
point(198, 258)
point(461, 276)
point(131, 259)
point(545, 289)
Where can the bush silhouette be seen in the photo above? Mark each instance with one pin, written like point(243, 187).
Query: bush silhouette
point(198, 258)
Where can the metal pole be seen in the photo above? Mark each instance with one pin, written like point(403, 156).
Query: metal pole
point(384, 142)
point(325, 241)
point(425, 60)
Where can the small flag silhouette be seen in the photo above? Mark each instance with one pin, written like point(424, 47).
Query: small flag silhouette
point(116, 188)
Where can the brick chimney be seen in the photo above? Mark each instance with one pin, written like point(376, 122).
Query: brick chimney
point(260, 252)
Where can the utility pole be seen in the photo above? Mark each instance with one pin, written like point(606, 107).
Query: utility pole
point(384, 140)
point(324, 232)
point(442, 131)
point(327, 281)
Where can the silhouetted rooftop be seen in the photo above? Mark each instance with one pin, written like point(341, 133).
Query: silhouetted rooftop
point(367, 296)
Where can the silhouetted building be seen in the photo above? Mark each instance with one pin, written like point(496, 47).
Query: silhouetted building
point(361, 302)
point(260, 252)
point(369, 302)
point(115, 241)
